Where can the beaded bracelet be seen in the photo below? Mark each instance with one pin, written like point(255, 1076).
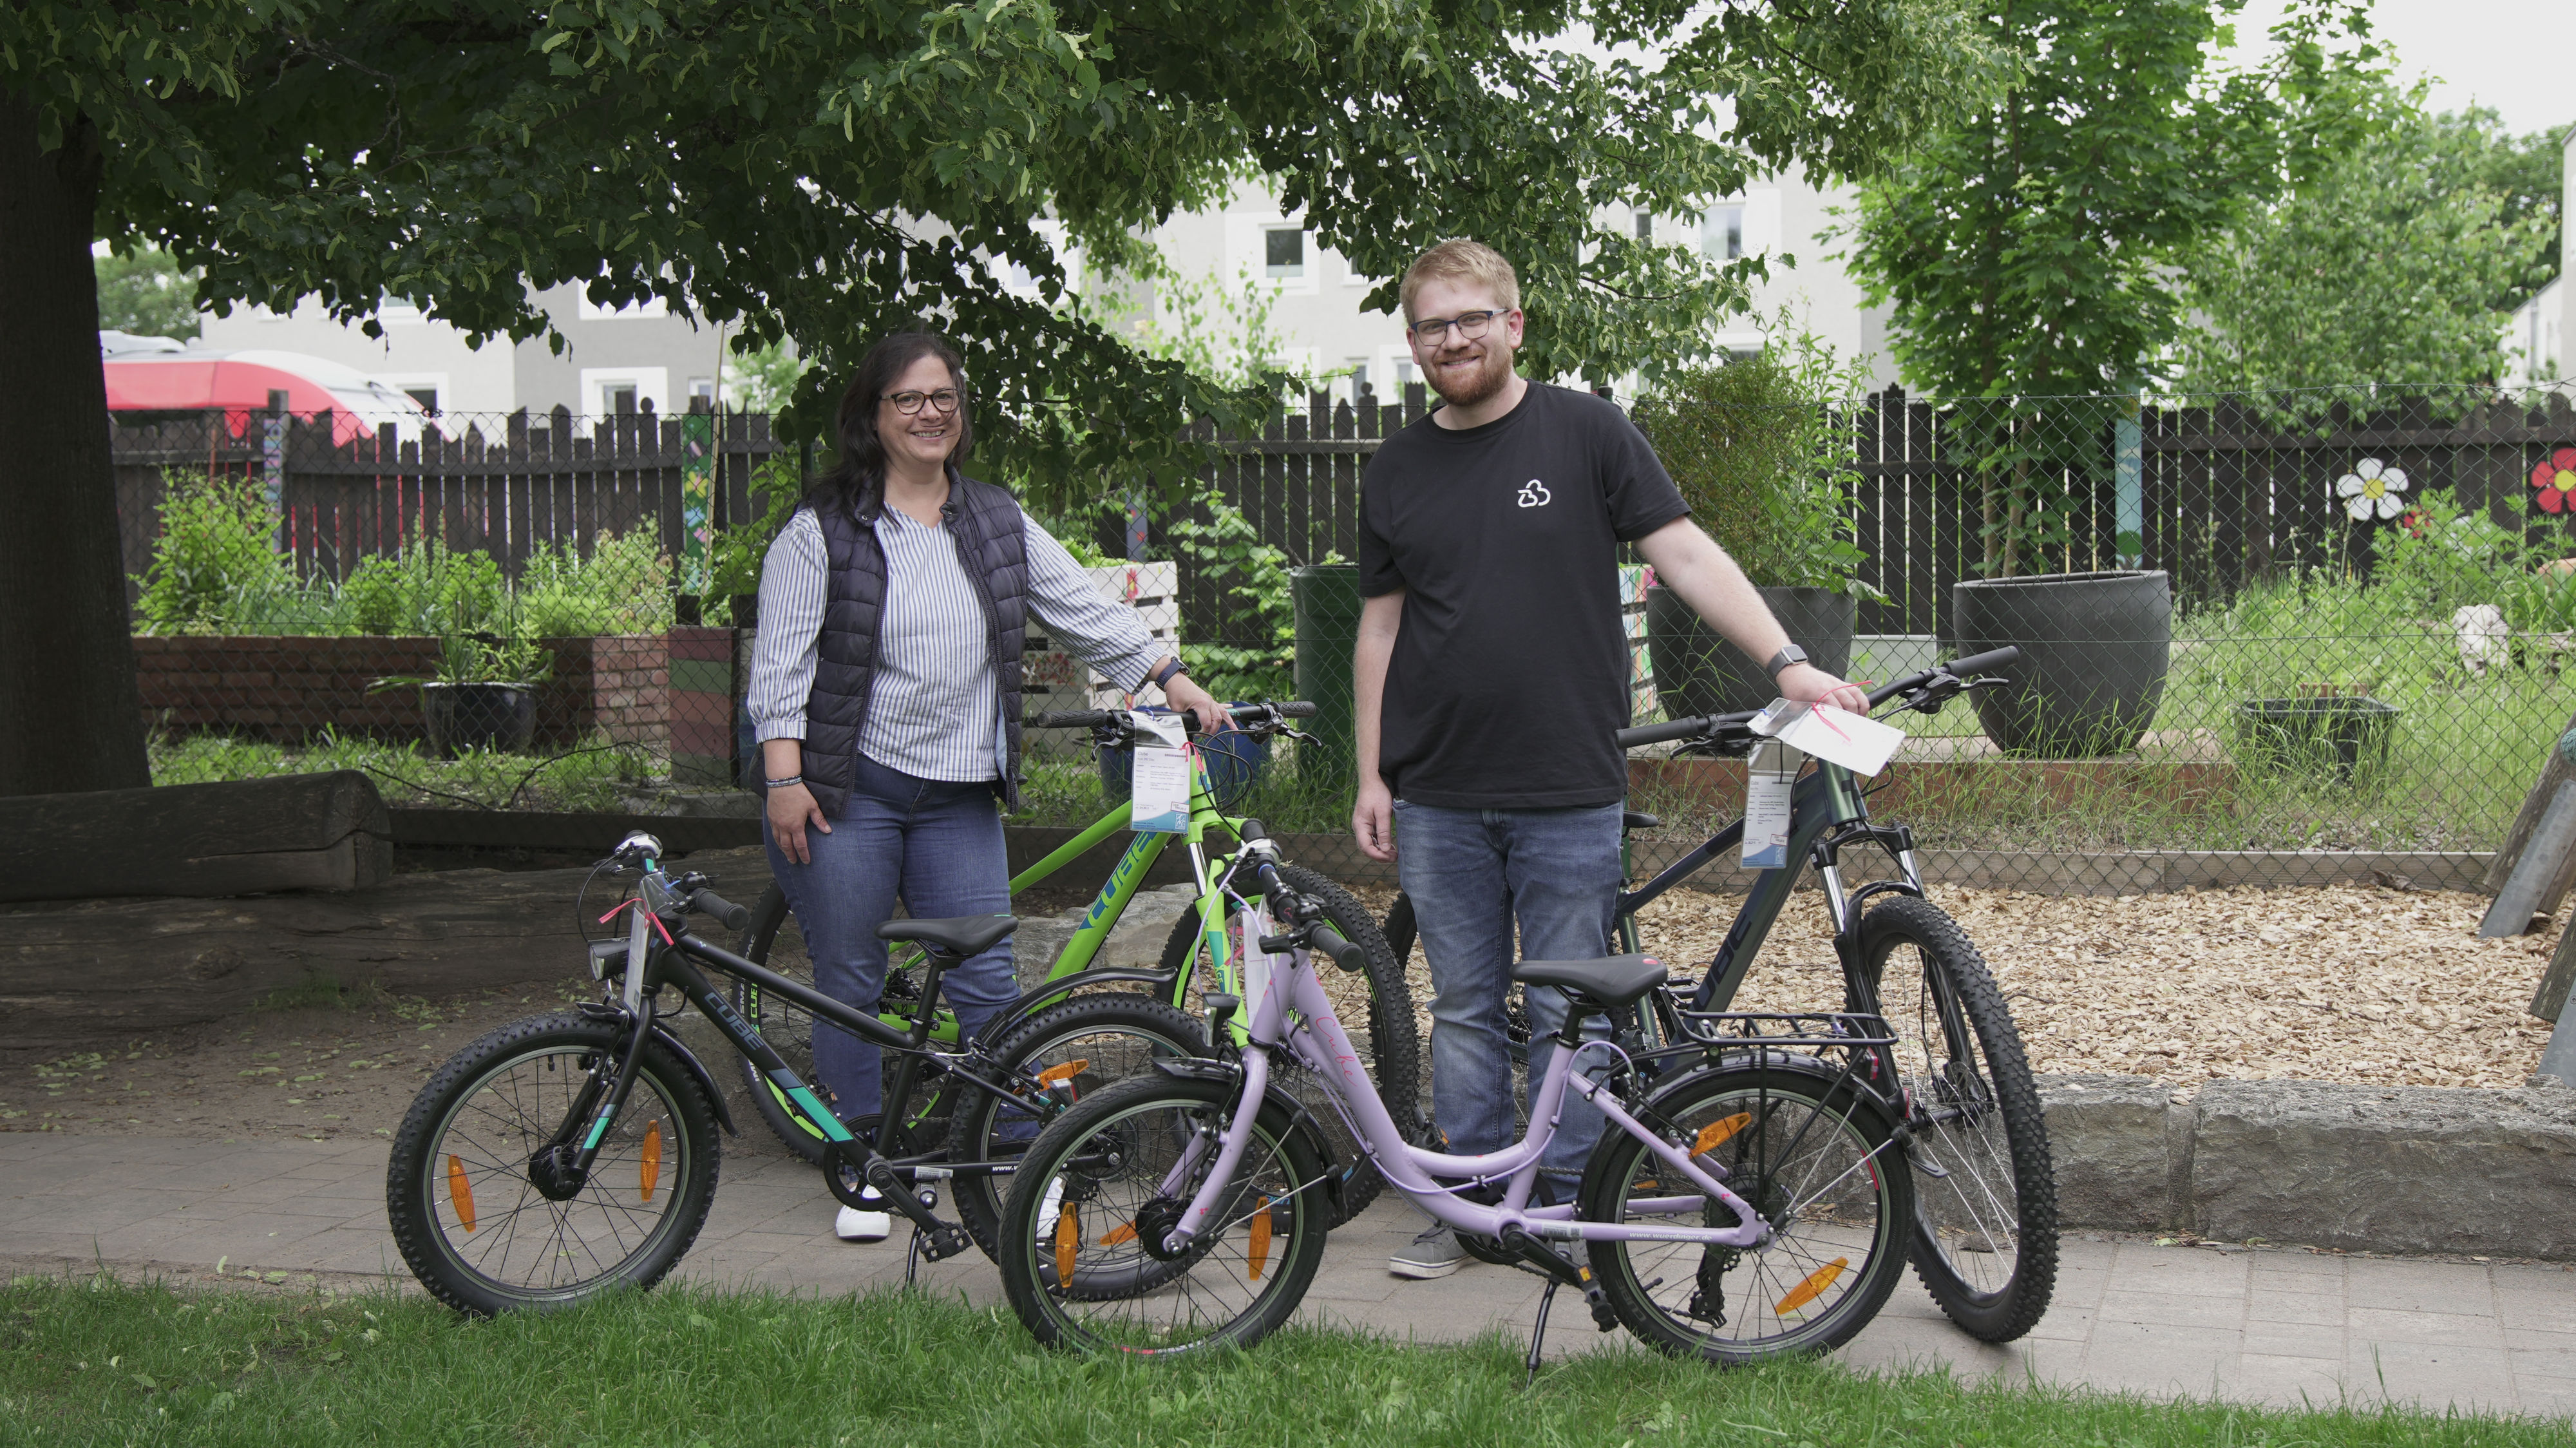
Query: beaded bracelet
point(783, 783)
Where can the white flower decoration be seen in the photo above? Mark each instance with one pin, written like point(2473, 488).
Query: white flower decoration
point(2372, 488)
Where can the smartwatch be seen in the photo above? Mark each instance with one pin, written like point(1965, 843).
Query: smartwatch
point(1163, 677)
point(1792, 654)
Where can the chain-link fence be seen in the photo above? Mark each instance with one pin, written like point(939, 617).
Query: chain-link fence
point(2259, 631)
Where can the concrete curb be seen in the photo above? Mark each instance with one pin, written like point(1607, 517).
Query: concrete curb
point(2364, 1168)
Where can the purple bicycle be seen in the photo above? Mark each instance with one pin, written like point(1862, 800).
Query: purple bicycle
point(1748, 1197)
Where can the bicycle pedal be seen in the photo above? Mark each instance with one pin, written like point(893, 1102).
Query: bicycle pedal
point(943, 1241)
point(1602, 1317)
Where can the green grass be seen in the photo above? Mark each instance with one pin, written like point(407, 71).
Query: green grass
point(96, 1362)
point(593, 777)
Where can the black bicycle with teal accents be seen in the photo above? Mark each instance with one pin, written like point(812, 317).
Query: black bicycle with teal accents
point(573, 1153)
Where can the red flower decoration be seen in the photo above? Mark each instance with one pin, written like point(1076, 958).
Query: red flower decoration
point(2556, 480)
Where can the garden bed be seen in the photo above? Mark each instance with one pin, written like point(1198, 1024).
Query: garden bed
point(2357, 984)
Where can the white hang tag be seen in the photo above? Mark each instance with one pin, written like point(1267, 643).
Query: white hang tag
point(1770, 777)
point(1159, 798)
point(1856, 742)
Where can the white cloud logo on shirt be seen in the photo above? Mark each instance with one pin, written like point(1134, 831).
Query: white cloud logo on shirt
point(1534, 494)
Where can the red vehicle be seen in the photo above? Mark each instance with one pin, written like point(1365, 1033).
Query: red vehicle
point(160, 380)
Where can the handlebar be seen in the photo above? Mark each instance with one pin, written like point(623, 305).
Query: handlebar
point(1108, 718)
point(1303, 917)
point(726, 913)
point(1711, 726)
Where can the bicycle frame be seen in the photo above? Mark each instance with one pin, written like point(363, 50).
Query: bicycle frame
point(1826, 813)
point(666, 962)
point(1322, 1046)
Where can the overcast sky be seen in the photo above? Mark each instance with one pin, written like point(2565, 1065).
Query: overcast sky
point(2515, 56)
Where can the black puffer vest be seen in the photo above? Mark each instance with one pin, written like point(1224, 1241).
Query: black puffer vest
point(992, 546)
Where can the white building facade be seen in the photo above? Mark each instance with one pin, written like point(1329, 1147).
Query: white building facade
point(613, 359)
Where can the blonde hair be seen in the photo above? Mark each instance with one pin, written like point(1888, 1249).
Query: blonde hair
point(1459, 259)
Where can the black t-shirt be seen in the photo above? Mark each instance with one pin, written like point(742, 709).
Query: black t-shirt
point(1510, 671)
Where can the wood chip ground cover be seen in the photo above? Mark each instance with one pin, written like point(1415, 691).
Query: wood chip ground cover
point(2357, 984)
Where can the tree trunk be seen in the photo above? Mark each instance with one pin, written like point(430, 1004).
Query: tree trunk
point(70, 719)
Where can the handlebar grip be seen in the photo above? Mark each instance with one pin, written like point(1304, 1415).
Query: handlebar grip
point(1990, 659)
point(1297, 709)
point(1075, 719)
point(1658, 733)
point(1251, 830)
point(726, 913)
point(1325, 940)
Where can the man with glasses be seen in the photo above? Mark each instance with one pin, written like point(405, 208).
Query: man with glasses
point(1491, 674)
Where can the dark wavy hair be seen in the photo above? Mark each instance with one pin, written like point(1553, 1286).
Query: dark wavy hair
point(856, 484)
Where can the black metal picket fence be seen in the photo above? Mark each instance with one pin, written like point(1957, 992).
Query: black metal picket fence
point(2352, 646)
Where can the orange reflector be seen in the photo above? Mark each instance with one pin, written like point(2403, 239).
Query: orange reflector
point(1066, 1072)
point(1119, 1235)
point(460, 1192)
point(652, 1158)
point(1815, 1285)
point(1068, 1237)
point(1260, 1237)
point(1716, 1132)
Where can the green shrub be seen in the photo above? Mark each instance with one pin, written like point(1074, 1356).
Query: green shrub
point(2441, 557)
point(427, 588)
point(1227, 552)
point(623, 587)
point(216, 551)
point(1756, 455)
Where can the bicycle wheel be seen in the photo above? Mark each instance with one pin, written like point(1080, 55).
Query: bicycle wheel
point(1083, 1263)
point(487, 1229)
point(1394, 1038)
point(1806, 1153)
point(1082, 1045)
point(1985, 1235)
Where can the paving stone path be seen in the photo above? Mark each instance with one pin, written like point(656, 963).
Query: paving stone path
point(2270, 1326)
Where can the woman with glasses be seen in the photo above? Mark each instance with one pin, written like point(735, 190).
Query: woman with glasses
point(886, 688)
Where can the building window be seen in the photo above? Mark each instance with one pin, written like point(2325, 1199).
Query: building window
point(1283, 253)
point(1721, 233)
point(620, 396)
point(1645, 226)
point(427, 397)
point(703, 387)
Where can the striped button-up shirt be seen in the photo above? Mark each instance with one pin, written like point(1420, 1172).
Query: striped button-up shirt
point(934, 706)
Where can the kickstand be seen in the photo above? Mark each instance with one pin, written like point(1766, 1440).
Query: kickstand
point(1538, 1331)
point(912, 1260)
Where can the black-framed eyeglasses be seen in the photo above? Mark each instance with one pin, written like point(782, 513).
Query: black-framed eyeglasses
point(946, 399)
point(1432, 331)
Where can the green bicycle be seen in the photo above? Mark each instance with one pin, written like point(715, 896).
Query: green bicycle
point(927, 1110)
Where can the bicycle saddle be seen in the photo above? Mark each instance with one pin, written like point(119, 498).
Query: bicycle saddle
point(1637, 819)
point(961, 936)
point(1613, 981)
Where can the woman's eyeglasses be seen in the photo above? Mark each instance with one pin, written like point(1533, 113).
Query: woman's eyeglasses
point(945, 399)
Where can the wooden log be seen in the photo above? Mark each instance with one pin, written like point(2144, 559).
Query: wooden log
point(240, 837)
point(2560, 768)
point(2542, 866)
point(77, 975)
point(2550, 1000)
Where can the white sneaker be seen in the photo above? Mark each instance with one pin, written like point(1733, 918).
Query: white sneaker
point(856, 1224)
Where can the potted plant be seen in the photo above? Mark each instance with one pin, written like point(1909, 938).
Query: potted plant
point(1766, 473)
point(2094, 648)
point(484, 695)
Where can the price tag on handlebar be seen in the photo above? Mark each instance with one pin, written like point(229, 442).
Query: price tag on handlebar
point(1861, 745)
point(1770, 777)
point(1160, 801)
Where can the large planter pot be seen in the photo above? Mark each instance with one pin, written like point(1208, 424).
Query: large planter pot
point(478, 716)
point(1327, 601)
point(2328, 739)
point(2093, 651)
point(1698, 672)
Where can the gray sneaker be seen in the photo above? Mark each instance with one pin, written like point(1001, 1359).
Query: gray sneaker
point(1435, 1253)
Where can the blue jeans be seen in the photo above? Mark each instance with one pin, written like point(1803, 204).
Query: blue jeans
point(936, 845)
point(1470, 873)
